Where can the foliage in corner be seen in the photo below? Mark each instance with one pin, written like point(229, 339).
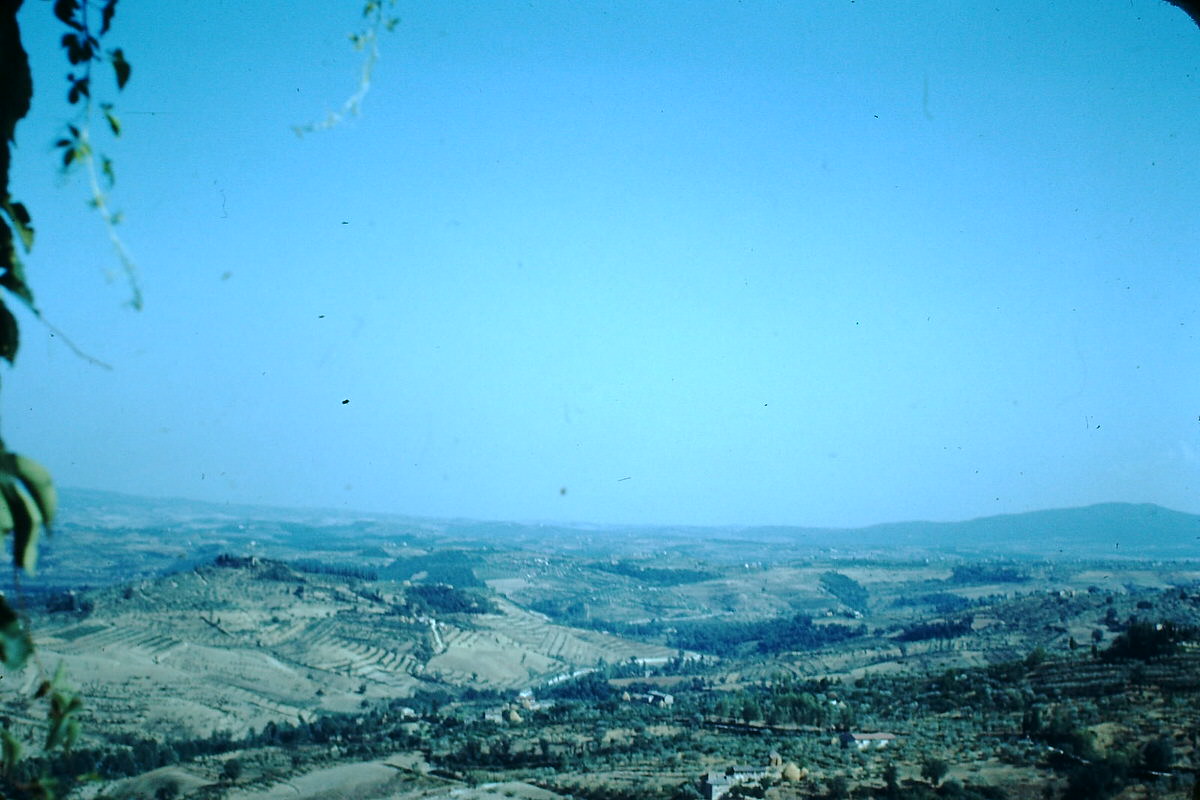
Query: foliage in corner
point(83, 49)
point(28, 500)
point(63, 730)
point(26, 490)
point(15, 642)
point(16, 92)
point(378, 19)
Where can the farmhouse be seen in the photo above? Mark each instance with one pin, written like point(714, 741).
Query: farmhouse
point(660, 699)
point(714, 787)
point(867, 741)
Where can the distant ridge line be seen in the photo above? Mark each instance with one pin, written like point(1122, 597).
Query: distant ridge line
point(1100, 529)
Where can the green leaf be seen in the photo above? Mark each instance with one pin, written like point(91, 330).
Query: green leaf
point(79, 88)
point(65, 11)
point(54, 733)
point(106, 16)
point(37, 483)
point(23, 222)
point(64, 728)
point(78, 151)
point(10, 335)
point(72, 734)
point(71, 44)
point(15, 642)
point(121, 67)
point(26, 524)
point(10, 750)
point(80, 48)
point(113, 122)
point(13, 278)
point(106, 167)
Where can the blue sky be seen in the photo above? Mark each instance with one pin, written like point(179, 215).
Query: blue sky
point(709, 263)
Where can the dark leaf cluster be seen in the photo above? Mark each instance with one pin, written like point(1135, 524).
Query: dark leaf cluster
point(940, 602)
point(846, 589)
point(988, 573)
point(776, 635)
point(656, 576)
point(454, 567)
point(592, 687)
point(1146, 640)
point(339, 570)
point(942, 629)
point(443, 599)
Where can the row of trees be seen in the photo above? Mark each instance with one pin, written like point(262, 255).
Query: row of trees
point(846, 589)
point(784, 702)
point(655, 576)
point(764, 637)
point(1145, 640)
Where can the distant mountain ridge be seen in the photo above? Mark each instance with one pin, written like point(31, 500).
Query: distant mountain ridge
point(1134, 527)
point(84, 505)
point(1117, 530)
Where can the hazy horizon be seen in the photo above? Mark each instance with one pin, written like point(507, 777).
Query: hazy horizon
point(717, 264)
point(68, 491)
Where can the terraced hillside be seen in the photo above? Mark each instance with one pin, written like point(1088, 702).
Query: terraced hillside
point(235, 644)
